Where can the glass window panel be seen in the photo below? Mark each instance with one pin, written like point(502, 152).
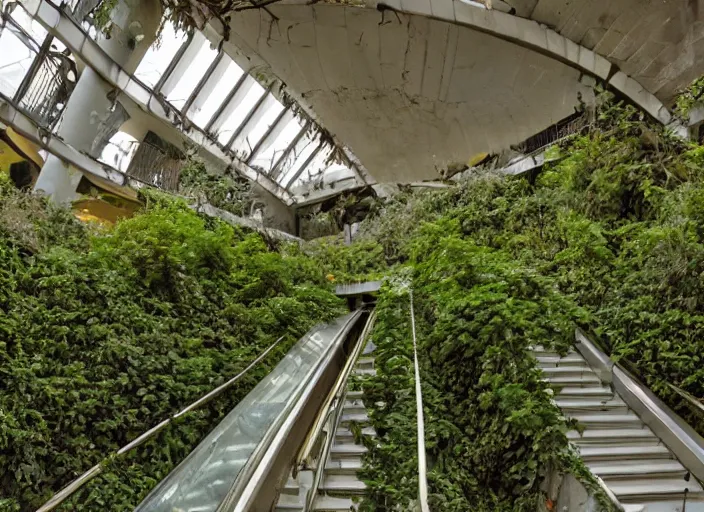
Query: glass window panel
point(228, 80)
point(15, 60)
point(32, 27)
point(243, 109)
point(268, 157)
point(304, 148)
point(189, 80)
point(257, 131)
point(316, 167)
point(160, 55)
point(195, 72)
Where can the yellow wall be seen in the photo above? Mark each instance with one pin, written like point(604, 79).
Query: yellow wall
point(8, 156)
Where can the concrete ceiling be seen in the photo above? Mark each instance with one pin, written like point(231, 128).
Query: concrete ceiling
point(659, 43)
point(406, 93)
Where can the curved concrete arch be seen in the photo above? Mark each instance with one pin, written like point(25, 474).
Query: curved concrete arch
point(659, 44)
point(411, 86)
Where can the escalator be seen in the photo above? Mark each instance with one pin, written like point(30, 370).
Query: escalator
point(339, 485)
point(648, 459)
point(245, 462)
point(293, 444)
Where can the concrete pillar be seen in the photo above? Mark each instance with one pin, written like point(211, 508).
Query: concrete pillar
point(135, 23)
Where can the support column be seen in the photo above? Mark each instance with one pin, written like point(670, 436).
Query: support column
point(89, 109)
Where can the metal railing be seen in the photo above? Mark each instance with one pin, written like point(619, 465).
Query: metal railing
point(50, 79)
point(49, 87)
point(76, 484)
point(569, 126)
point(153, 165)
point(420, 423)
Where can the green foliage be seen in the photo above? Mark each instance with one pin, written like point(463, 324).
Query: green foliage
point(492, 432)
point(690, 98)
point(105, 334)
point(610, 236)
point(224, 192)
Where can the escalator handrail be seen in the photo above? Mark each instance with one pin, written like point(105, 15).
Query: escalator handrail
point(334, 412)
point(422, 466)
point(250, 478)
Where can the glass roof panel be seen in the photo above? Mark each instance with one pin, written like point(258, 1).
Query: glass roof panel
point(305, 147)
point(245, 144)
point(217, 97)
point(160, 55)
point(267, 158)
point(32, 27)
point(189, 80)
point(15, 60)
point(240, 113)
point(316, 167)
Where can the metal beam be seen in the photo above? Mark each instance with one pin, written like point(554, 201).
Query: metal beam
point(303, 167)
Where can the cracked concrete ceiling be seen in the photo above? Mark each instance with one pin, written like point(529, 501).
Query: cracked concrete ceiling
point(407, 94)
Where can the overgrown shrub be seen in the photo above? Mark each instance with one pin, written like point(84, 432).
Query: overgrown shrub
point(229, 193)
point(492, 432)
point(613, 226)
point(104, 334)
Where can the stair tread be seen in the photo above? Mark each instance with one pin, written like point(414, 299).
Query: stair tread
point(653, 486)
point(289, 502)
point(608, 419)
point(559, 370)
point(356, 417)
point(349, 465)
point(606, 469)
point(573, 359)
point(609, 451)
point(348, 449)
point(345, 432)
point(613, 432)
point(355, 395)
point(588, 392)
point(331, 503)
point(577, 380)
point(613, 403)
point(342, 483)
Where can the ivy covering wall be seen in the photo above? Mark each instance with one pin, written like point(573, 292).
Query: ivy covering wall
point(105, 333)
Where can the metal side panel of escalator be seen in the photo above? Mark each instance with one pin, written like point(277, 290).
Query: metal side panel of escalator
point(239, 465)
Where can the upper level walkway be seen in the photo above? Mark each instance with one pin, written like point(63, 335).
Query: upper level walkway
point(311, 99)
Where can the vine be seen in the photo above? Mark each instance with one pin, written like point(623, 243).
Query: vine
point(105, 333)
